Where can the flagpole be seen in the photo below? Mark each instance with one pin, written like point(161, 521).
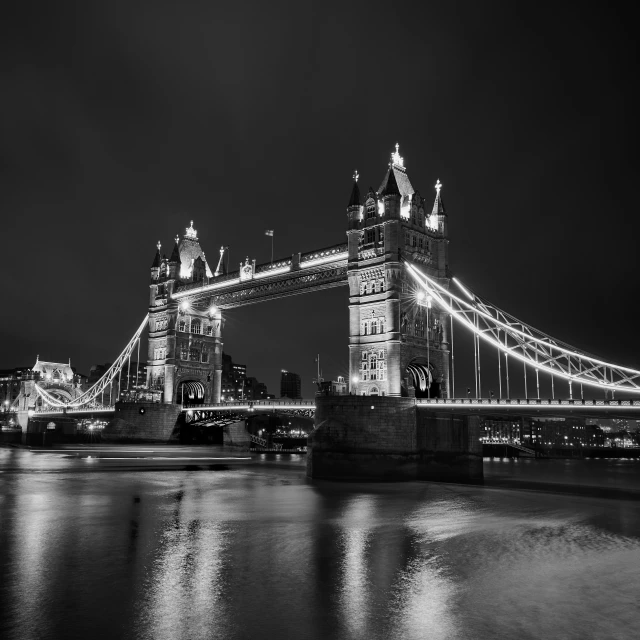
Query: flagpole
point(272, 247)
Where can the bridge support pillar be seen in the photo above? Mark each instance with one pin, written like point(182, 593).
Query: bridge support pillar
point(387, 438)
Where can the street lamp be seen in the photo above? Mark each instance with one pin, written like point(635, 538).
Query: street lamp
point(355, 381)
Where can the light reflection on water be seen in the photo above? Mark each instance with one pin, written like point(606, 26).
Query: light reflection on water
point(262, 552)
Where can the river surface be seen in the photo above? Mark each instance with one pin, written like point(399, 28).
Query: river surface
point(258, 551)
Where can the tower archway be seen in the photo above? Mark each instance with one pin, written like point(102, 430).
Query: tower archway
point(425, 379)
point(190, 392)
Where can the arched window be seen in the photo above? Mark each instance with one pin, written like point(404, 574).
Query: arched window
point(363, 287)
point(381, 326)
point(364, 328)
point(194, 354)
point(205, 356)
point(209, 330)
point(374, 327)
point(374, 391)
point(196, 326)
point(182, 325)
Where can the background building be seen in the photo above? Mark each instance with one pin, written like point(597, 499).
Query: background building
point(237, 386)
point(337, 387)
point(290, 385)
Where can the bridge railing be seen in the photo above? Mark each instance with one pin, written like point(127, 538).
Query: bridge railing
point(531, 402)
point(274, 404)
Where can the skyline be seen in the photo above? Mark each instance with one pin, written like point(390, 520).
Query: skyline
point(125, 144)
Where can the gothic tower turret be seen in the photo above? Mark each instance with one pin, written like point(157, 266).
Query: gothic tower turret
point(398, 343)
point(354, 208)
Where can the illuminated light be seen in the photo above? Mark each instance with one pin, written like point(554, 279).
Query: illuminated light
point(438, 187)
point(332, 258)
point(190, 412)
point(355, 379)
point(271, 272)
point(380, 208)
point(420, 295)
point(356, 175)
point(396, 158)
point(464, 289)
point(212, 311)
point(191, 232)
point(442, 295)
point(209, 287)
point(31, 413)
point(184, 306)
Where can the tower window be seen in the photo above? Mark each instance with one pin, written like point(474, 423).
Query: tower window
point(371, 212)
point(371, 235)
point(196, 327)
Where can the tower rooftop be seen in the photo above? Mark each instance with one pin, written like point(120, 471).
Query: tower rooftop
point(397, 173)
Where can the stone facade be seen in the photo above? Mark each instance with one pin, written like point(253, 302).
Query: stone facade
point(391, 438)
point(185, 344)
point(398, 344)
point(143, 422)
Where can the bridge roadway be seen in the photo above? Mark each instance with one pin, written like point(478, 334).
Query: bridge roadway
point(482, 406)
point(629, 409)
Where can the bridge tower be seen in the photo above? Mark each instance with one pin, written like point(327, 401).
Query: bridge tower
point(398, 343)
point(184, 361)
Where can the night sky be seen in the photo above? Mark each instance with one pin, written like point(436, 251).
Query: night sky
point(122, 121)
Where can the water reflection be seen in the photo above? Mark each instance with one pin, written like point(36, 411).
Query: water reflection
point(263, 552)
point(357, 520)
point(182, 594)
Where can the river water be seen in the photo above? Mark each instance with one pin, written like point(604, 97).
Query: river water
point(261, 552)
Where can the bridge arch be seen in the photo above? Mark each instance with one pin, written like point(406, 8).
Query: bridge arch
point(191, 392)
point(424, 377)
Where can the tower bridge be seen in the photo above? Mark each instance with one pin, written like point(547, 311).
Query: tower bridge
point(403, 306)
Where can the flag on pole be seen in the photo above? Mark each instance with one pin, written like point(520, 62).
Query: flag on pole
point(268, 232)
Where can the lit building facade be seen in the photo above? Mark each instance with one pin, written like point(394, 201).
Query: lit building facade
point(398, 344)
point(185, 347)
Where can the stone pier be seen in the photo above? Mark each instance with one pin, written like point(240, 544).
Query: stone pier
point(388, 438)
point(144, 422)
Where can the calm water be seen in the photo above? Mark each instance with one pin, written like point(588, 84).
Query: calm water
point(260, 552)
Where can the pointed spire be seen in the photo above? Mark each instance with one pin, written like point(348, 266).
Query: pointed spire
point(390, 185)
point(191, 232)
point(438, 205)
point(354, 201)
point(396, 158)
point(156, 260)
point(175, 254)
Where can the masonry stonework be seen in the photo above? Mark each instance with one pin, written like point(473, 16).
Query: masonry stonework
point(391, 438)
point(398, 342)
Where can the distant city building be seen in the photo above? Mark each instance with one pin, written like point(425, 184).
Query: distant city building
point(290, 385)
point(337, 387)
point(542, 432)
point(10, 384)
point(97, 371)
point(237, 386)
